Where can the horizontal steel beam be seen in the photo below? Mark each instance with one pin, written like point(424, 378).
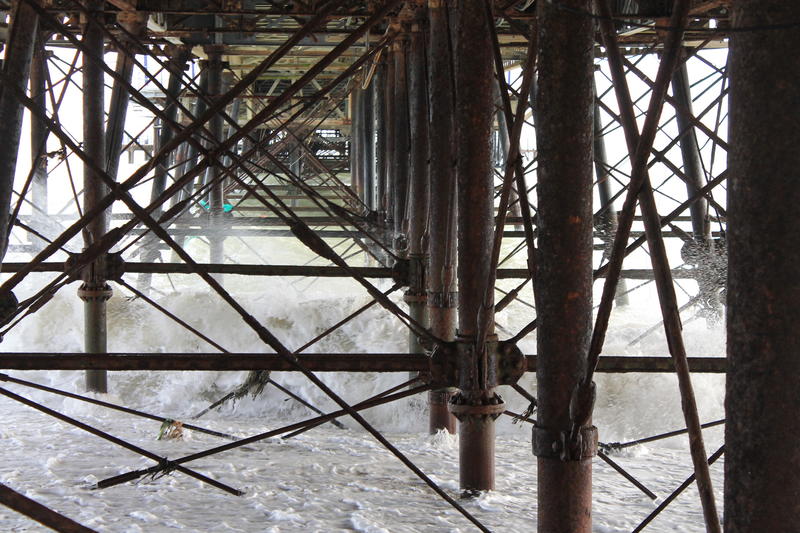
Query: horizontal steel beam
point(300, 270)
point(329, 362)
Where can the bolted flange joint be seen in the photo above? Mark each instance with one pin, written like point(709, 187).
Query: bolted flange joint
point(95, 292)
point(483, 405)
point(556, 444)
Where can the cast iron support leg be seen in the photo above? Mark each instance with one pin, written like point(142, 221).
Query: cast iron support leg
point(401, 139)
point(19, 51)
point(39, 134)
point(379, 103)
point(216, 200)
point(94, 291)
point(607, 222)
point(564, 277)
point(441, 279)
point(368, 147)
point(416, 296)
point(762, 457)
point(389, 114)
point(476, 405)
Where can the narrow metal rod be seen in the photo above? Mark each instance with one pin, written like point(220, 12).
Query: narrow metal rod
point(683, 486)
point(624, 473)
point(302, 401)
point(134, 412)
point(639, 146)
point(38, 512)
point(166, 463)
point(383, 394)
point(130, 476)
point(660, 436)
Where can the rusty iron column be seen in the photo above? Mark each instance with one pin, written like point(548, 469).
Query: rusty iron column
point(700, 252)
point(177, 63)
point(134, 22)
point(94, 291)
point(476, 405)
point(39, 134)
point(355, 141)
point(22, 34)
point(368, 146)
point(606, 223)
point(441, 278)
point(416, 294)
point(379, 105)
point(389, 118)
point(690, 151)
point(216, 200)
point(401, 138)
point(563, 285)
point(762, 457)
point(191, 149)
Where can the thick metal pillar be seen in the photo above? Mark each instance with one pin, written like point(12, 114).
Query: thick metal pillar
point(389, 115)
point(178, 62)
point(216, 200)
point(475, 404)
point(401, 137)
point(563, 286)
point(94, 291)
point(368, 147)
point(690, 151)
point(416, 294)
point(134, 22)
point(356, 175)
point(606, 223)
point(191, 149)
point(16, 65)
point(379, 104)
point(39, 134)
point(441, 278)
point(762, 458)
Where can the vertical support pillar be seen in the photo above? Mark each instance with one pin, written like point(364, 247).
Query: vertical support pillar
point(356, 177)
point(564, 277)
point(476, 404)
point(379, 103)
point(391, 148)
point(416, 295)
point(607, 222)
point(701, 250)
point(368, 147)
point(216, 200)
point(16, 65)
point(441, 278)
point(191, 150)
point(401, 138)
point(39, 134)
point(134, 22)
point(762, 457)
point(178, 62)
point(691, 156)
point(94, 291)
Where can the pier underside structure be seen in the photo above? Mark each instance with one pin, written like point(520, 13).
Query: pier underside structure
point(484, 159)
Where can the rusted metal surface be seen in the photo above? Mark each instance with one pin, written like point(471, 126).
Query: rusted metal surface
point(475, 198)
point(762, 400)
point(23, 30)
point(563, 288)
point(639, 147)
point(94, 291)
point(329, 362)
point(36, 511)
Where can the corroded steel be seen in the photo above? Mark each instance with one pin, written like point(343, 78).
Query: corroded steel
point(563, 288)
point(762, 458)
